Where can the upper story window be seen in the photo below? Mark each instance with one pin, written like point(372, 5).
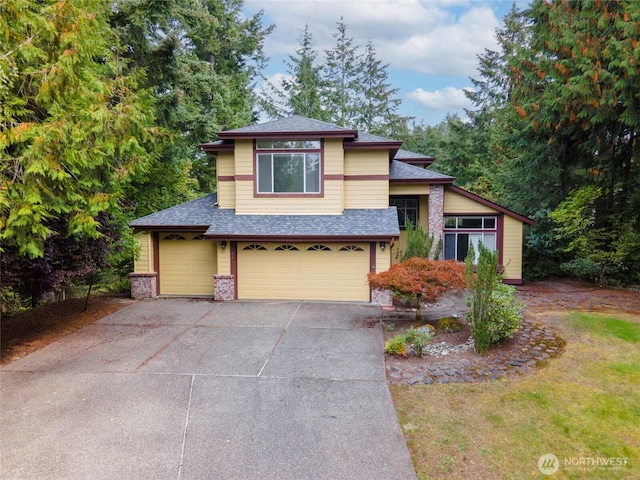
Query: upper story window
point(407, 210)
point(288, 166)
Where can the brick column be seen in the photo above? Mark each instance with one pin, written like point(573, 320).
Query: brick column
point(224, 288)
point(436, 214)
point(144, 285)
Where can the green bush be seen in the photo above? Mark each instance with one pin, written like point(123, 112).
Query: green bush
point(504, 313)
point(396, 346)
point(417, 338)
point(449, 324)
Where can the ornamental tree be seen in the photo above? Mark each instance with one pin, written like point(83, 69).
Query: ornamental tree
point(420, 279)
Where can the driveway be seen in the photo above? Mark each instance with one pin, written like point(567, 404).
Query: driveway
point(187, 389)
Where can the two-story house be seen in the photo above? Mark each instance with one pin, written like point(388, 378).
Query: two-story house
point(304, 210)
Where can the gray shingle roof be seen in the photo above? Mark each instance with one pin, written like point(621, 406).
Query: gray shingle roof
point(368, 223)
point(407, 155)
point(294, 124)
point(196, 213)
point(403, 171)
point(204, 213)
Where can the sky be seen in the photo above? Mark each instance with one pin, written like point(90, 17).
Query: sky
point(430, 46)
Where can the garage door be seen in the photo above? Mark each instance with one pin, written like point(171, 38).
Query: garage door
point(303, 271)
point(187, 264)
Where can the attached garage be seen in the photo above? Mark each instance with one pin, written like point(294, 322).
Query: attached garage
point(187, 264)
point(303, 271)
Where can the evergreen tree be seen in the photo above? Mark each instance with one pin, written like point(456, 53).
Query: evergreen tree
point(201, 58)
point(343, 95)
point(301, 92)
point(379, 104)
point(75, 128)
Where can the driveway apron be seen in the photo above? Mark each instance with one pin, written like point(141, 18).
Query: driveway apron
point(189, 390)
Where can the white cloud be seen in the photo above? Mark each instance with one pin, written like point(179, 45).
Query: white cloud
point(433, 37)
point(448, 99)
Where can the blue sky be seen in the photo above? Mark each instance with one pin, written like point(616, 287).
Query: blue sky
point(431, 46)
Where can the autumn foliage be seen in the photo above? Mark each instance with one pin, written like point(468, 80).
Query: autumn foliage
point(426, 279)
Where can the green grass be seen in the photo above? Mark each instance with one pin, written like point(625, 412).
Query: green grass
point(583, 405)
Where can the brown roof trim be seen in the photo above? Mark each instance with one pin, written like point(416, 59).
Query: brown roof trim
point(217, 147)
point(300, 238)
point(172, 228)
point(490, 204)
point(417, 161)
point(385, 145)
point(423, 181)
point(305, 134)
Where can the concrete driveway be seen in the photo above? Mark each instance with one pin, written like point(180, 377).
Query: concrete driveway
point(187, 389)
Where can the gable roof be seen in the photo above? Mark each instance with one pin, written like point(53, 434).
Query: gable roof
point(400, 172)
point(490, 204)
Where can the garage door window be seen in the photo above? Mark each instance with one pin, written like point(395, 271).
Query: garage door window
point(289, 248)
point(254, 246)
point(319, 248)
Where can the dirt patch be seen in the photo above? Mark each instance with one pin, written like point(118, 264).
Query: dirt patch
point(33, 329)
point(541, 338)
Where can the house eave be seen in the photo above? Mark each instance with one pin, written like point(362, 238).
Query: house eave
point(302, 238)
point(350, 134)
point(492, 205)
point(423, 181)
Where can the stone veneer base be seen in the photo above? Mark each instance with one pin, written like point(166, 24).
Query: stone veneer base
point(144, 285)
point(224, 288)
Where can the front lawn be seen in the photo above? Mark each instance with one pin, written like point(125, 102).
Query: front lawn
point(583, 407)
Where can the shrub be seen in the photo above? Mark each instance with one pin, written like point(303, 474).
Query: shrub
point(416, 338)
point(449, 324)
point(481, 279)
point(396, 346)
point(420, 244)
point(504, 313)
point(420, 279)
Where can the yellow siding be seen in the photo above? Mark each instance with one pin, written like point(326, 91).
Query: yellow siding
point(330, 204)
point(408, 189)
point(227, 189)
point(456, 203)
point(187, 266)
point(143, 263)
point(244, 157)
point(223, 259)
point(366, 193)
point(383, 258)
point(333, 157)
point(303, 274)
point(512, 248)
point(366, 162)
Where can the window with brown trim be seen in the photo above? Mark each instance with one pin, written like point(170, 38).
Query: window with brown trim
point(407, 210)
point(288, 166)
point(460, 232)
